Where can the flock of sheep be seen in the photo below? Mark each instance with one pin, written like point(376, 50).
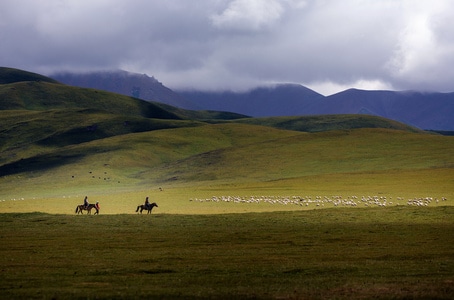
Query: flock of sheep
point(321, 201)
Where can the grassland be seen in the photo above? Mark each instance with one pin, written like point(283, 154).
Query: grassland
point(389, 253)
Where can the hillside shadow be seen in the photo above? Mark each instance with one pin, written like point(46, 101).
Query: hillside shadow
point(38, 163)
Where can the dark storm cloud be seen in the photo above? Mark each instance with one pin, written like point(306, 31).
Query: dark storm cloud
point(235, 44)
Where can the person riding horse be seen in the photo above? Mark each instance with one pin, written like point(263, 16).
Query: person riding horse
point(147, 203)
point(86, 202)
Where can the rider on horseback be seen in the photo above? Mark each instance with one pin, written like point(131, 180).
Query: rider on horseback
point(86, 202)
point(147, 203)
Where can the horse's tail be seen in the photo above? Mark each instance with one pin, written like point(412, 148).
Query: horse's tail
point(138, 207)
point(77, 209)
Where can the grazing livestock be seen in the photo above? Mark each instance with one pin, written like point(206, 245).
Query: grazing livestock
point(321, 201)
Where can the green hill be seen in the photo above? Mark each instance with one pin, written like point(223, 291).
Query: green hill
point(330, 122)
point(32, 95)
point(11, 75)
point(37, 115)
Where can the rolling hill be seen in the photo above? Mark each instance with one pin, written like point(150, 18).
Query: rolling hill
point(94, 140)
point(11, 75)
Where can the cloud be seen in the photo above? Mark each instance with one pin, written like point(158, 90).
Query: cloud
point(327, 88)
point(425, 49)
point(236, 44)
point(248, 15)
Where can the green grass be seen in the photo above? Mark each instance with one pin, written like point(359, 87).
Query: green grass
point(390, 253)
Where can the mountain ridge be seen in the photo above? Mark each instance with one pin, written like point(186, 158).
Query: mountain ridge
point(425, 110)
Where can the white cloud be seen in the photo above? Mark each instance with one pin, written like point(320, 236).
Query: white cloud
point(327, 88)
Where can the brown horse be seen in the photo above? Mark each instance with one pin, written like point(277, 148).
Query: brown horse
point(80, 208)
point(146, 207)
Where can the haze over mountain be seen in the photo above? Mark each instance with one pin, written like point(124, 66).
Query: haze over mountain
point(426, 110)
point(125, 83)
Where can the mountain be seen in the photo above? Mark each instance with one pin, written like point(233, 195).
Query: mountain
point(125, 83)
point(425, 110)
point(274, 100)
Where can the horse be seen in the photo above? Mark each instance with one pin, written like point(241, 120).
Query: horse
point(146, 207)
point(80, 208)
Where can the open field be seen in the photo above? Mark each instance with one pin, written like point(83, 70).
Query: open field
point(343, 253)
point(396, 186)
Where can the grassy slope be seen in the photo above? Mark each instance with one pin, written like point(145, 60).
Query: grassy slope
point(11, 75)
point(39, 115)
point(329, 122)
point(326, 153)
point(44, 95)
point(26, 133)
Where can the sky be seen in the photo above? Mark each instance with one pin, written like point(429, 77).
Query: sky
point(326, 45)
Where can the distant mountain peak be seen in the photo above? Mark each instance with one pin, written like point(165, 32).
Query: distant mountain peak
point(126, 83)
